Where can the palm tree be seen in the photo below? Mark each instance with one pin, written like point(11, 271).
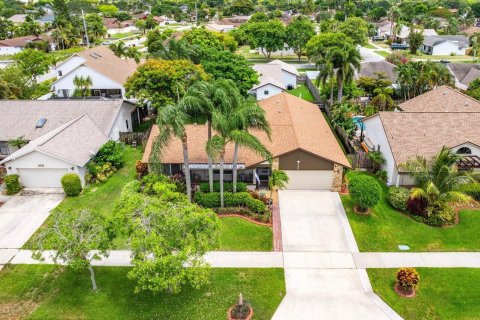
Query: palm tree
point(202, 98)
point(247, 115)
point(133, 53)
point(227, 132)
point(119, 49)
point(172, 121)
point(394, 14)
point(383, 98)
point(173, 50)
point(82, 86)
point(18, 142)
point(278, 180)
point(347, 60)
point(326, 73)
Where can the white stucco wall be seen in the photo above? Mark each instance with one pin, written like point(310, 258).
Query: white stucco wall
point(120, 123)
point(272, 90)
point(68, 65)
point(4, 51)
point(122, 30)
point(99, 81)
point(289, 79)
point(375, 132)
point(446, 48)
point(474, 148)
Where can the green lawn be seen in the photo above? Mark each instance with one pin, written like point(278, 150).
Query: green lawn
point(442, 293)
point(237, 234)
point(369, 46)
point(260, 58)
point(101, 197)
point(385, 228)
point(382, 53)
point(302, 91)
point(48, 292)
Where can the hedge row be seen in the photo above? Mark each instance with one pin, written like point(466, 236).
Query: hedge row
point(265, 217)
point(472, 189)
point(227, 187)
point(239, 199)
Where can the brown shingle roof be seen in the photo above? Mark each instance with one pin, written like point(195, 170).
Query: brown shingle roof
point(22, 41)
point(296, 124)
point(424, 133)
point(106, 62)
point(441, 99)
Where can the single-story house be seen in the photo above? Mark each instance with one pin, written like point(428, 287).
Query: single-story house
point(62, 136)
point(115, 26)
point(107, 71)
point(236, 21)
point(440, 117)
point(18, 18)
point(386, 29)
point(373, 68)
point(15, 45)
point(464, 73)
point(219, 27)
point(302, 144)
point(445, 45)
point(275, 77)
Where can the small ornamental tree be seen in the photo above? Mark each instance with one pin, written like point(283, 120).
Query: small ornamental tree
point(73, 235)
point(169, 237)
point(407, 279)
point(278, 180)
point(365, 192)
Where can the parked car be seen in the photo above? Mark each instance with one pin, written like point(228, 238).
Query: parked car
point(399, 46)
point(378, 38)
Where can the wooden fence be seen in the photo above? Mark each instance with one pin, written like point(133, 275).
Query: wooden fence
point(134, 138)
point(345, 139)
point(313, 90)
point(360, 160)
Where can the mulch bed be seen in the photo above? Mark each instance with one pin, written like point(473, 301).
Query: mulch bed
point(405, 293)
point(245, 218)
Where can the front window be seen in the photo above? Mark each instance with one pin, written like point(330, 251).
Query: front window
point(464, 150)
point(265, 92)
point(4, 148)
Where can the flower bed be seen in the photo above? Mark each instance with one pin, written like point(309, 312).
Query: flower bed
point(264, 218)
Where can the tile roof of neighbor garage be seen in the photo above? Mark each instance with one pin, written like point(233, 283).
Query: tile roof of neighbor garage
point(74, 142)
point(441, 99)
point(296, 125)
point(424, 133)
point(19, 117)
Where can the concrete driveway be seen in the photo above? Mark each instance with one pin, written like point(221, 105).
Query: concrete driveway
point(21, 216)
point(320, 274)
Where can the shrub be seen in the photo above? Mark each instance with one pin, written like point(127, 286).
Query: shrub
point(99, 172)
point(227, 187)
point(239, 199)
point(12, 182)
point(398, 197)
point(408, 278)
point(382, 175)
point(111, 152)
point(141, 169)
point(179, 180)
point(262, 196)
point(417, 206)
point(365, 192)
point(256, 205)
point(265, 217)
point(149, 181)
point(72, 186)
point(472, 189)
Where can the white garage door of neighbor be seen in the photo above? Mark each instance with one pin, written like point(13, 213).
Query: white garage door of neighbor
point(309, 179)
point(41, 177)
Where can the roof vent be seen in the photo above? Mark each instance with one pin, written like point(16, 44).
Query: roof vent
point(93, 56)
point(40, 123)
point(466, 103)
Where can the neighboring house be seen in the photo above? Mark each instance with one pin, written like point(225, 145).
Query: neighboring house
point(107, 71)
point(464, 73)
point(18, 18)
point(161, 20)
point(63, 135)
point(302, 144)
point(220, 27)
point(15, 45)
point(386, 29)
point(115, 26)
point(286, 51)
point(275, 77)
point(440, 117)
point(236, 21)
point(445, 45)
point(373, 68)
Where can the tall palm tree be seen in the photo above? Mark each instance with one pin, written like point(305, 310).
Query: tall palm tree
point(82, 86)
point(383, 98)
point(203, 98)
point(172, 120)
point(394, 14)
point(247, 115)
point(278, 179)
point(347, 60)
point(119, 49)
point(133, 53)
point(326, 73)
point(227, 132)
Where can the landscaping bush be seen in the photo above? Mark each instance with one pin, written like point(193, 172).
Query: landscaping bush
point(12, 182)
point(262, 196)
point(72, 186)
point(179, 180)
point(365, 192)
point(417, 206)
point(382, 175)
point(472, 189)
point(111, 152)
point(265, 217)
point(99, 172)
point(256, 205)
point(408, 278)
point(141, 169)
point(239, 199)
point(227, 187)
point(398, 197)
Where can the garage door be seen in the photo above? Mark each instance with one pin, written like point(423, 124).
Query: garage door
point(310, 179)
point(41, 177)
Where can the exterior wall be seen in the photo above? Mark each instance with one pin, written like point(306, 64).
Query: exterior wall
point(445, 48)
point(376, 134)
point(120, 123)
point(37, 160)
point(337, 177)
point(272, 90)
point(9, 50)
point(307, 162)
point(99, 81)
point(122, 30)
point(475, 149)
point(289, 79)
point(68, 65)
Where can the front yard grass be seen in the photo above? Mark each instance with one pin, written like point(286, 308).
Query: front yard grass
point(53, 292)
point(369, 46)
point(382, 53)
point(237, 234)
point(386, 228)
point(302, 91)
point(443, 293)
point(101, 197)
